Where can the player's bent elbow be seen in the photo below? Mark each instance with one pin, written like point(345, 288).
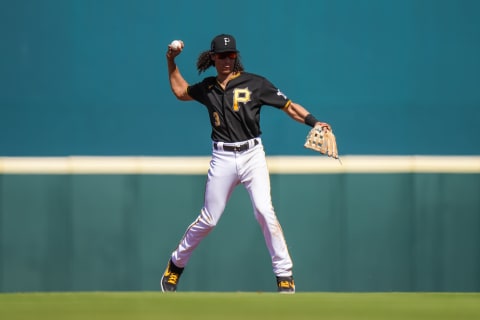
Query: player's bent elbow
point(181, 94)
point(183, 97)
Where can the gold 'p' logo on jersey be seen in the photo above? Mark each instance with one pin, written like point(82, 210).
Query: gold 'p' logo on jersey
point(240, 95)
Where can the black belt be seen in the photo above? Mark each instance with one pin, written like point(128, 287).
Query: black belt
point(242, 147)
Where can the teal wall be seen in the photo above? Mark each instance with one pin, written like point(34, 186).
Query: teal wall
point(88, 77)
point(346, 232)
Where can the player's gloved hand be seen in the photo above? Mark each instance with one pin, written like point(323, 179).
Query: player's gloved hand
point(323, 124)
point(321, 139)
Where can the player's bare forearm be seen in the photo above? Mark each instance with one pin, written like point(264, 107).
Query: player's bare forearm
point(177, 82)
point(298, 113)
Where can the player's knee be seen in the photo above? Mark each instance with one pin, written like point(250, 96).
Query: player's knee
point(208, 219)
point(264, 212)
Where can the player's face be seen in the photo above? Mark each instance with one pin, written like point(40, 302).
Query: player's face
point(224, 62)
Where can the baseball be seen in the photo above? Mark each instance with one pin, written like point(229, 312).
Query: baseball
point(176, 44)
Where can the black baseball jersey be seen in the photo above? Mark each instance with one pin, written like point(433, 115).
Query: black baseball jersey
point(235, 111)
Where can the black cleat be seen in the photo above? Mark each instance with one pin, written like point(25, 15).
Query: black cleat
point(285, 285)
point(171, 277)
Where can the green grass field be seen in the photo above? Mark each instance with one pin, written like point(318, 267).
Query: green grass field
point(199, 306)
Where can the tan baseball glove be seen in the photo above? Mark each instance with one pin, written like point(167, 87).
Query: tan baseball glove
point(323, 140)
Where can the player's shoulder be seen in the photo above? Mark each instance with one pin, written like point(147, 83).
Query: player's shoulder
point(200, 88)
point(252, 79)
point(205, 83)
point(209, 80)
point(253, 76)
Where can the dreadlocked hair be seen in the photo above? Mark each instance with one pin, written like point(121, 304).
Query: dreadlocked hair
point(205, 61)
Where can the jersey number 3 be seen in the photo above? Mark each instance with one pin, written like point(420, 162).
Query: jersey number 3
point(216, 119)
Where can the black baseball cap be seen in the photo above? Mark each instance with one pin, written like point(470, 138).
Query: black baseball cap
point(224, 43)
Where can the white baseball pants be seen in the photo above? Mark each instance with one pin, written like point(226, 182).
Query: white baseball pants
point(227, 170)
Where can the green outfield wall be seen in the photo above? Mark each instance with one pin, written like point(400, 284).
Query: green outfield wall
point(346, 232)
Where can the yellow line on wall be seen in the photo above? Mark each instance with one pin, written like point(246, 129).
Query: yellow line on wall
point(277, 164)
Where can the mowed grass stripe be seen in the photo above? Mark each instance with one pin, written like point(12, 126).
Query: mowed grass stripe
point(196, 305)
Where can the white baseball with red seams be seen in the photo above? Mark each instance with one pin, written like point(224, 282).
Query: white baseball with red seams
point(176, 44)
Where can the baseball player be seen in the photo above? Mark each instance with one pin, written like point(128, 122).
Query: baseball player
point(233, 99)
